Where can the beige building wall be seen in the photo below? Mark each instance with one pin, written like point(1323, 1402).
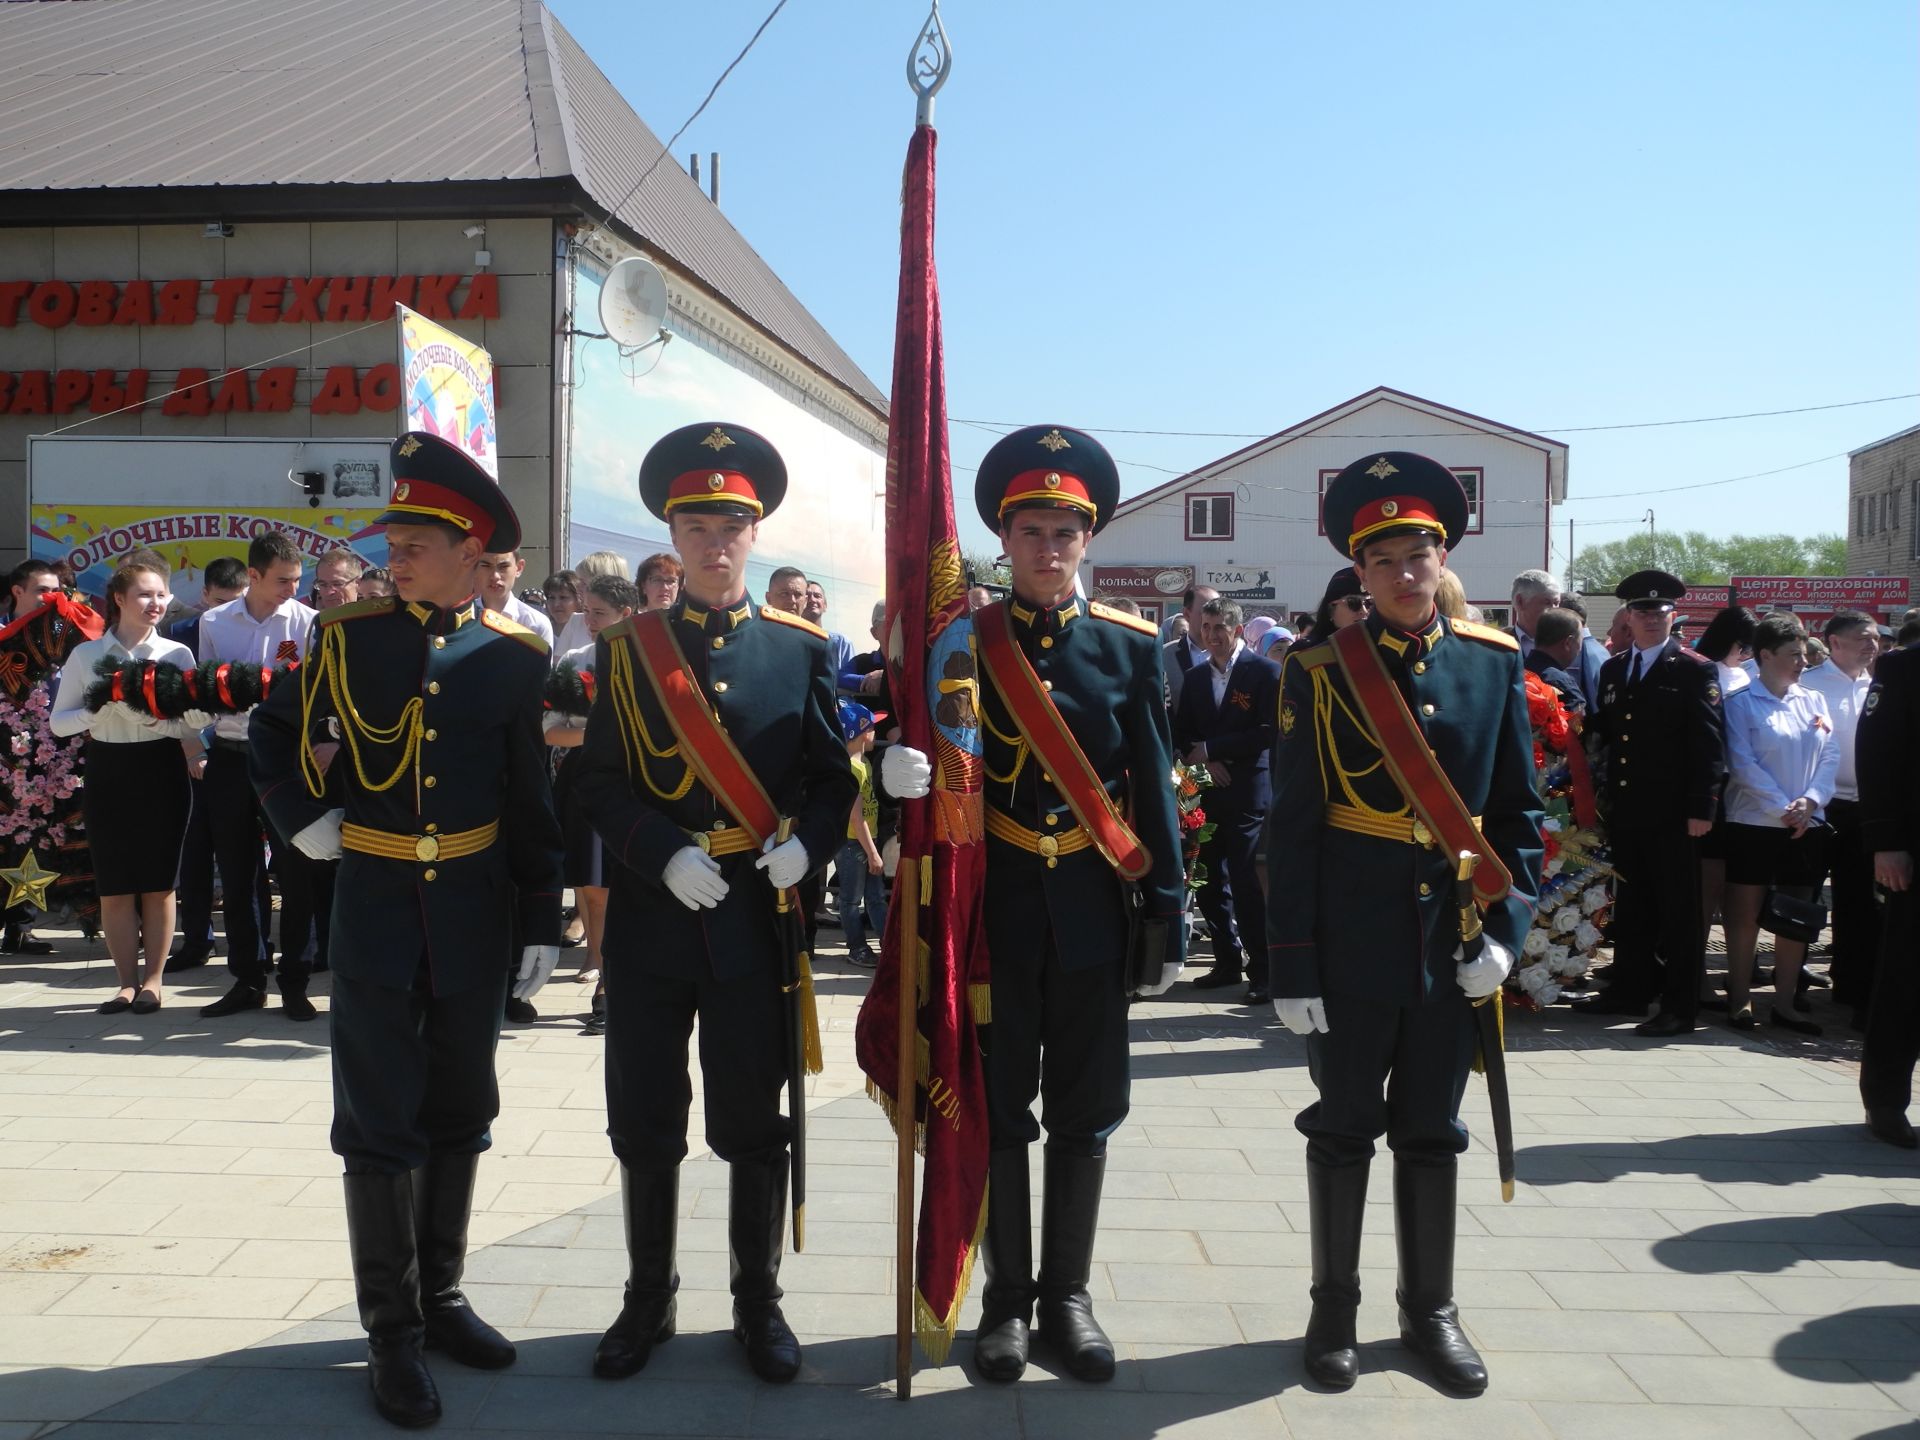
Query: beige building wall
point(521, 340)
point(1883, 509)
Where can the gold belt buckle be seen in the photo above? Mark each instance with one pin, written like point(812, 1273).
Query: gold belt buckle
point(426, 847)
point(1421, 835)
point(705, 843)
point(1047, 846)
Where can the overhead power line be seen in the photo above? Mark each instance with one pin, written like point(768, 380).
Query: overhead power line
point(1004, 425)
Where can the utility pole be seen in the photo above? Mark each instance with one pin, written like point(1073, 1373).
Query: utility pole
point(1654, 536)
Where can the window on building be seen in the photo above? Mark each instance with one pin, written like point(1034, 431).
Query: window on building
point(1893, 509)
point(1210, 517)
point(1913, 517)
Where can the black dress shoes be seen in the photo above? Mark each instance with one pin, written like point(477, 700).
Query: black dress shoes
point(241, 997)
point(1258, 995)
point(1219, 977)
point(1665, 1024)
point(1888, 1124)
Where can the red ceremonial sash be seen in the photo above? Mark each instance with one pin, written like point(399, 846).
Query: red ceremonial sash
point(1040, 725)
point(703, 743)
point(1412, 763)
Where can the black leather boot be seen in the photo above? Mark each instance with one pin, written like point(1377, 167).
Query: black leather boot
point(442, 1203)
point(1423, 1206)
point(1337, 1203)
point(650, 1204)
point(1069, 1220)
point(1006, 1250)
point(386, 1283)
point(756, 1234)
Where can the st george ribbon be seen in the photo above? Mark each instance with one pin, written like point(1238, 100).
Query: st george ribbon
point(917, 1032)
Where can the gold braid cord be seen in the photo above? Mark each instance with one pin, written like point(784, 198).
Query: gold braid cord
point(633, 725)
point(328, 668)
point(1326, 695)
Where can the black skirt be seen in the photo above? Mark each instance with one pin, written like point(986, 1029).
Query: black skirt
point(136, 799)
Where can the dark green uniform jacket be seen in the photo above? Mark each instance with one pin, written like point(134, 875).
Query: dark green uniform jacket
point(475, 678)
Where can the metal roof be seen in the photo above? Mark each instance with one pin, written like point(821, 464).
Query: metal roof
point(183, 94)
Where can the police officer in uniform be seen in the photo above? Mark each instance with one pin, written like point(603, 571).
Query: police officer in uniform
point(443, 824)
point(1887, 756)
point(1056, 916)
point(1661, 742)
point(691, 927)
point(1363, 928)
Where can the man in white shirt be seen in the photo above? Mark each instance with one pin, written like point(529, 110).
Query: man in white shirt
point(1843, 683)
point(499, 576)
point(266, 626)
point(1177, 657)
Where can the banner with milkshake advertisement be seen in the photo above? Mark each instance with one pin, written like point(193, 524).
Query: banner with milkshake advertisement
point(446, 384)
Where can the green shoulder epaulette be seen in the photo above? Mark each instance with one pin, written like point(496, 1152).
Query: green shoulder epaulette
point(1486, 634)
point(787, 617)
point(495, 621)
point(357, 609)
point(1121, 617)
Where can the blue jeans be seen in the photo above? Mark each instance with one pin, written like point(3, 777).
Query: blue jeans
point(852, 883)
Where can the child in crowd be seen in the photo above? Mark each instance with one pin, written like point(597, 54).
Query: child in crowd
point(859, 872)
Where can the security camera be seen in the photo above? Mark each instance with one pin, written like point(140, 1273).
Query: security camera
point(217, 230)
point(474, 232)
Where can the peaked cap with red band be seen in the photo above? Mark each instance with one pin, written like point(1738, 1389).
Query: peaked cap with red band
point(1394, 492)
point(1047, 467)
point(713, 468)
point(435, 482)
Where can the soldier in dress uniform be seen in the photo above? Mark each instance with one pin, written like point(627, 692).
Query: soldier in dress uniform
point(1057, 911)
point(1660, 738)
point(444, 827)
point(712, 720)
point(1364, 937)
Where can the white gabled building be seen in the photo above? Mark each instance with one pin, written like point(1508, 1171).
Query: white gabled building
point(1248, 524)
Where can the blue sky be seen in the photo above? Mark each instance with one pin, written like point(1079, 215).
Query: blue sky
point(1228, 217)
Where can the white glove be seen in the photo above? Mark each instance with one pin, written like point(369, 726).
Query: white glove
point(321, 839)
point(905, 772)
point(785, 862)
point(536, 968)
point(1484, 976)
point(1169, 972)
point(694, 878)
point(1304, 1016)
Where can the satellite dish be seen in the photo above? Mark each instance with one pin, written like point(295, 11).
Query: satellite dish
point(633, 303)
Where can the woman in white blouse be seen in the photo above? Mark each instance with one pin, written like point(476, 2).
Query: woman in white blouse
point(1782, 763)
point(136, 795)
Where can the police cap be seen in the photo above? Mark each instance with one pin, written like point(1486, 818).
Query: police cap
point(1050, 467)
point(713, 468)
point(1650, 590)
point(435, 482)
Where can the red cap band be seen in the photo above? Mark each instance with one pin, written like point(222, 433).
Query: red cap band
point(435, 504)
point(1394, 512)
point(712, 486)
point(1048, 487)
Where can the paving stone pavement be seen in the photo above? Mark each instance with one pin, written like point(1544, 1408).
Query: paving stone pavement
point(1704, 1244)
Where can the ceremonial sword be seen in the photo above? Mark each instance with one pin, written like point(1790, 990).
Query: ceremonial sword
point(1489, 1017)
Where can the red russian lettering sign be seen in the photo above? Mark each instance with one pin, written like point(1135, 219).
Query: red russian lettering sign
point(258, 299)
point(1821, 592)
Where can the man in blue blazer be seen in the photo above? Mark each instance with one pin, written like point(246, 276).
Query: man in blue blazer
point(1226, 721)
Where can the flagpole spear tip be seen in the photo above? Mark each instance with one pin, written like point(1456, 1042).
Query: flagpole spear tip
point(928, 64)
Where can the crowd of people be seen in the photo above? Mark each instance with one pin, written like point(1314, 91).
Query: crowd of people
point(684, 738)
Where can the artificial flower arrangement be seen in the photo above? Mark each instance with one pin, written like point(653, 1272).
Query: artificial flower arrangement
point(1576, 896)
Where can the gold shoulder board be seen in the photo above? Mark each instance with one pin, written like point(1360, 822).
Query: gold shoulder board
point(494, 620)
point(1121, 617)
point(1486, 634)
point(787, 617)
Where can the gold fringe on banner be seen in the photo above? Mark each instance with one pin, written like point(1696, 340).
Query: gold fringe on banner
point(980, 1001)
point(936, 1332)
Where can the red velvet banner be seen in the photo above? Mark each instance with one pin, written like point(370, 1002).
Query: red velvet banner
point(942, 839)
